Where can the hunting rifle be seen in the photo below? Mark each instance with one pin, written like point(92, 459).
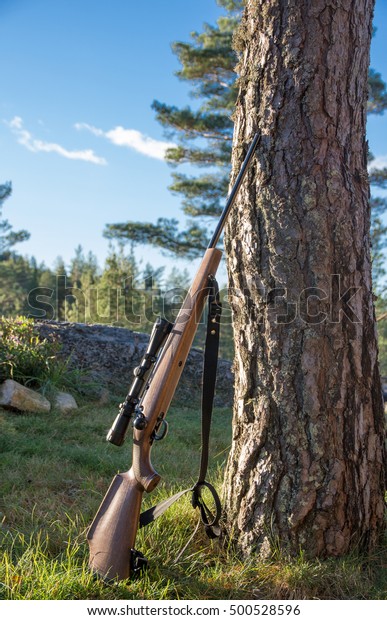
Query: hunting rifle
point(112, 534)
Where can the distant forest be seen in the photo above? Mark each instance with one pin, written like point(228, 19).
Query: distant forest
point(121, 293)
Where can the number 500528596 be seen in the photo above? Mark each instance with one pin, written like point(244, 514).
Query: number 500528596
point(265, 610)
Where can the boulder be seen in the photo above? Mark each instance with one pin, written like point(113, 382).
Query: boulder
point(109, 355)
point(64, 402)
point(16, 396)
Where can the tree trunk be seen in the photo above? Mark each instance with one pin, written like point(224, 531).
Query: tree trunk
point(307, 464)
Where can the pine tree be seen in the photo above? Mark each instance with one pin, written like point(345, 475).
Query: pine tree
point(8, 237)
point(307, 466)
point(204, 135)
point(378, 179)
point(377, 95)
point(18, 276)
point(62, 298)
point(116, 298)
point(82, 279)
point(377, 104)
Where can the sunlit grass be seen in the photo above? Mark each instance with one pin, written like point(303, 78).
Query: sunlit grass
point(54, 472)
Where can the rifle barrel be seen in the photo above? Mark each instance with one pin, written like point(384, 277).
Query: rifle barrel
point(234, 191)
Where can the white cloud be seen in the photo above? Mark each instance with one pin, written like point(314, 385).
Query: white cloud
point(34, 145)
point(93, 130)
point(379, 162)
point(132, 139)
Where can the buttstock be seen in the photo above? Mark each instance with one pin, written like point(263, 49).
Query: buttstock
point(112, 534)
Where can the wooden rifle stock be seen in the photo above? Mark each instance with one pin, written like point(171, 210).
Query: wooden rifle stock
point(112, 534)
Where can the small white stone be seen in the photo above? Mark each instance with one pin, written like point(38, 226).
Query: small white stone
point(64, 402)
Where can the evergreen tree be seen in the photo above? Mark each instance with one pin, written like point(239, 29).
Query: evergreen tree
point(18, 276)
point(83, 269)
point(62, 298)
point(378, 179)
point(82, 279)
point(8, 237)
point(152, 277)
point(26, 288)
point(204, 135)
point(177, 279)
point(377, 104)
point(42, 298)
point(377, 95)
point(303, 472)
point(175, 289)
point(116, 298)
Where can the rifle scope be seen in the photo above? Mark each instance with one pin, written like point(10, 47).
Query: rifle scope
point(161, 329)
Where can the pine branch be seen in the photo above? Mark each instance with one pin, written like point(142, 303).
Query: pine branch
point(377, 93)
point(164, 234)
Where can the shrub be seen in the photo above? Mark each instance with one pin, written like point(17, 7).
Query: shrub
point(23, 356)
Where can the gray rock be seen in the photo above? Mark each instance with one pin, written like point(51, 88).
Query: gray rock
point(64, 402)
point(16, 396)
point(110, 354)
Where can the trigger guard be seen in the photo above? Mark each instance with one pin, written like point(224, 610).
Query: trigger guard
point(164, 430)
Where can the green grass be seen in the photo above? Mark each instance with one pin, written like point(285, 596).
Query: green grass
point(54, 472)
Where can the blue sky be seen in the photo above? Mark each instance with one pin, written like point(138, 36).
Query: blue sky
point(78, 138)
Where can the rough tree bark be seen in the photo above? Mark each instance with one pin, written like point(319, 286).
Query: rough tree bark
point(307, 464)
